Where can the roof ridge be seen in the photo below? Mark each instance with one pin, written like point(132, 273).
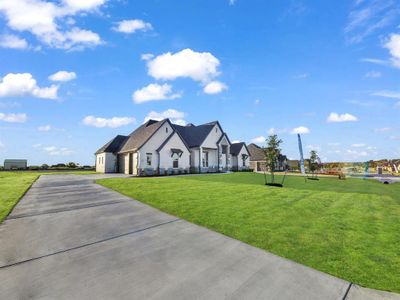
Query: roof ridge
point(142, 134)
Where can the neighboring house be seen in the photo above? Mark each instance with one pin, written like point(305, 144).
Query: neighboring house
point(257, 159)
point(240, 156)
point(160, 147)
point(15, 164)
point(294, 164)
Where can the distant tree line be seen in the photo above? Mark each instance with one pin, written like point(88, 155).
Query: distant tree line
point(61, 166)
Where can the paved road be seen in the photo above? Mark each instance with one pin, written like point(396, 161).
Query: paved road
point(69, 238)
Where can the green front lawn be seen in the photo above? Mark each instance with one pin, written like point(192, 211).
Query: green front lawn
point(13, 185)
point(350, 229)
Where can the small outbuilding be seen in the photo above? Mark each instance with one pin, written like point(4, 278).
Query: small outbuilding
point(15, 164)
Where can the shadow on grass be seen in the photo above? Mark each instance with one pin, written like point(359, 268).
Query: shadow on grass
point(331, 184)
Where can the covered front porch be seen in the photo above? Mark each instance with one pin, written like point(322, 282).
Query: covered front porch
point(212, 160)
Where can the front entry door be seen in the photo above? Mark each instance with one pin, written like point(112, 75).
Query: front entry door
point(130, 163)
point(223, 160)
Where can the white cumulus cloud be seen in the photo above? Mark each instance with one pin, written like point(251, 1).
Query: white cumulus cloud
point(13, 118)
point(214, 87)
point(131, 26)
point(23, 84)
point(274, 130)
point(154, 92)
point(393, 45)
point(78, 38)
point(63, 76)
point(13, 42)
point(87, 5)
point(300, 130)
point(52, 22)
point(111, 122)
point(336, 118)
point(176, 117)
point(259, 140)
point(199, 66)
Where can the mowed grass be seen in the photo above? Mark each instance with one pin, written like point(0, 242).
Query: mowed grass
point(13, 185)
point(350, 229)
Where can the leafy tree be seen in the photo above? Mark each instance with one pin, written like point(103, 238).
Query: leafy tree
point(72, 165)
point(272, 152)
point(44, 166)
point(314, 165)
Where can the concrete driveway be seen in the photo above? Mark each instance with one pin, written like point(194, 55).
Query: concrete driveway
point(69, 238)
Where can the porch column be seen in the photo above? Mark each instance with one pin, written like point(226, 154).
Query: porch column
point(200, 158)
point(228, 153)
point(218, 155)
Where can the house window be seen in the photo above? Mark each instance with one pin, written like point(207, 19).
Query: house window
point(148, 159)
point(99, 160)
point(216, 129)
point(166, 129)
point(205, 159)
point(224, 149)
point(175, 163)
point(244, 157)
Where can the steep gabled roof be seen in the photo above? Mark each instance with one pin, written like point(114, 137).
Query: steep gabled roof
point(168, 138)
point(236, 147)
point(191, 135)
point(194, 136)
point(114, 145)
point(212, 123)
point(256, 152)
point(141, 135)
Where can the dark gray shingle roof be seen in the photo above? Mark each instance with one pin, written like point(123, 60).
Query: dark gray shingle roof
point(194, 136)
point(114, 145)
point(235, 148)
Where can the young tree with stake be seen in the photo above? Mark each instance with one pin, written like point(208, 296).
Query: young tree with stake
point(272, 152)
point(313, 161)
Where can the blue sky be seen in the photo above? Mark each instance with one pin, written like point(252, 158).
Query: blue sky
point(73, 74)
